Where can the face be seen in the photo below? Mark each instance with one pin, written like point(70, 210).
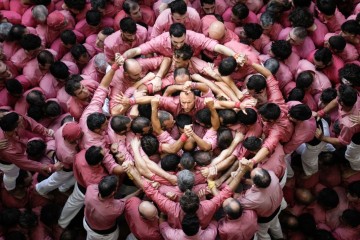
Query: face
point(181, 79)
point(235, 19)
point(33, 52)
point(208, 8)
point(45, 67)
point(347, 36)
point(147, 130)
point(128, 37)
point(100, 40)
point(187, 101)
point(169, 124)
point(319, 64)
point(84, 59)
point(177, 42)
point(136, 14)
point(4, 71)
point(352, 198)
point(82, 93)
point(135, 74)
point(179, 62)
point(293, 39)
point(177, 18)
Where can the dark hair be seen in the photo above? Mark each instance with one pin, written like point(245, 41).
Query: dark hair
point(281, 49)
point(59, 70)
point(234, 209)
point(93, 17)
point(351, 72)
point(145, 110)
point(271, 111)
point(108, 185)
point(262, 178)
point(204, 116)
point(77, 51)
point(28, 219)
point(182, 120)
point(35, 97)
point(14, 87)
point(304, 79)
point(78, 4)
point(118, 123)
point(190, 223)
point(9, 217)
point(252, 143)
point(322, 234)
point(354, 189)
point(9, 122)
point(351, 26)
point(323, 55)
point(170, 162)
point(45, 57)
point(228, 116)
point(224, 138)
point(71, 86)
point(300, 112)
point(202, 2)
point(107, 31)
point(328, 95)
point(139, 123)
point(327, 7)
point(95, 121)
point(328, 198)
point(189, 202)
point(351, 217)
point(35, 148)
point(296, 94)
point(202, 158)
point(347, 95)
point(35, 112)
point(227, 66)
point(14, 235)
point(52, 109)
point(149, 144)
point(267, 19)
point(302, 3)
point(187, 161)
point(185, 52)
point(177, 29)
point(129, 5)
point(50, 213)
point(98, 4)
point(249, 118)
point(240, 10)
point(16, 32)
point(128, 25)
point(30, 42)
point(307, 224)
point(68, 37)
point(272, 65)
point(301, 17)
point(93, 155)
point(257, 83)
point(337, 42)
point(253, 30)
point(178, 6)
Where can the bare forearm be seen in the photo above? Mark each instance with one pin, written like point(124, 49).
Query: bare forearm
point(132, 53)
point(224, 50)
point(223, 165)
point(203, 145)
point(331, 140)
point(261, 69)
point(173, 148)
point(261, 155)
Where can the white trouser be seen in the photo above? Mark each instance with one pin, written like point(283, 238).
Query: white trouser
point(352, 154)
point(73, 205)
point(309, 154)
point(91, 235)
point(60, 179)
point(274, 226)
point(131, 236)
point(11, 172)
point(289, 171)
point(283, 180)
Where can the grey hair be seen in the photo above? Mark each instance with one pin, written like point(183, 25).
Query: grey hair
point(100, 61)
point(40, 13)
point(186, 180)
point(5, 29)
point(267, 19)
point(300, 32)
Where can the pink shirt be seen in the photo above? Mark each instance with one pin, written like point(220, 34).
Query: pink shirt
point(139, 226)
point(253, 5)
point(91, 71)
point(91, 138)
point(276, 162)
point(6, 99)
point(84, 28)
point(65, 152)
point(251, 18)
point(59, 47)
point(318, 34)
point(348, 128)
point(115, 44)
point(164, 21)
point(169, 233)
point(346, 233)
point(242, 228)
point(274, 31)
point(349, 53)
point(172, 105)
point(121, 141)
point(21, 58)
point(162, 44)
point(91, 40)
point(101, 213)
point(211, 138)
point(147, 17)
point(21, 105)
point(334, 22)
point(69, 58)
point(264, 201)
point(174, 212)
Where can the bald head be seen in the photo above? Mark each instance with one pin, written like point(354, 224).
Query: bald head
point(304, 196)
point(148, 210)
point(133, 69)
point(217, 30)
point(232, 208)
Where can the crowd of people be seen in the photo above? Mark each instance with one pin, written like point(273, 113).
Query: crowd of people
point(172, 119)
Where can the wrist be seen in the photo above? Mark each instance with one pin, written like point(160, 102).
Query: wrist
point(193, 85)
point(253, 161)
point(211, 184)
point(237, 104)
point(115, 66)
point(183, 137)
point(132, 101)
point(321, 113)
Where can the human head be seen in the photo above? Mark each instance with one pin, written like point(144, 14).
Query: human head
point(300, 112)
point(256, 84)
point(96, 122)
point(187, 161)
point(350, 29)
point(189, 202)
point(328, 95)
point(232, 208)
point(208, 6)
point(40, 13)
point(301, 3)
point(31, 43)
point(149, 144)
point(327, 7)
point(350, 74)
point(227, 117)
point(5, 73)
point(260, 177)
point(52, 108)
point(272, 65)
point(224, 138)
point(107, 186)
point(14, 87)
point(253, 31)
point(141, 125)
point(98, 5)
point(80, 54)
point(35, 112)
point(94, 155)
point(60, 71)
point(72, 132)
point(247, 118)
point(145, 110)
point(190, 224)
point(203, 117)
point(267, 20)
point(76, 89)
point(239, 12)
point(185, 180)
point(9, 122)
point(147, 210)
point(281, 49)
point(181, 75)
point(347, 97)
point(296, 94)
point(305, 79)
point(68, 38)
point(337, 43)
point(182, 55)
point(128, 29)
point(178, 10)
point(177, 33)
point(253, 144)
point(301, 17)
point(328, 199)
point(182, 120)
point(35, 97)
point(322, 58)
point(187, 101)
point(166, 120)
point(102, 35)
point(202, 158)
point(9, 217)
point(17, 31)
point(307, 224)
point(35, 148)
point(45, 60)
point(227, 66)
point(28, 219)
point(304, 196)
point(120, 124)
point(297, 36)
point(132, 8)
point(132, 69)
point(170, 162)
point(93, 18)
point(270, 112)
point(5, 28)
point(56, 20)
point(100, 62)
point(75, 7)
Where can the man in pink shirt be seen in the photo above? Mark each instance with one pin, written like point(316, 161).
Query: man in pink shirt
point(80, 54)
point(282, 51)
point(270, 26)
point(253, 5)
point(35, 15)
point(239, 15)
point(129, 36)
point(302, 44)
point(338, 45)
point(328, 13)
point(97, 40)
point(64, 43)
point(96, 68)
point(349, 226)
point(178, 13)
point(209, 7)
point(12, 92)
point(238, 223)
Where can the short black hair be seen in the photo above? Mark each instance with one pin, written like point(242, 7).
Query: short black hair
point(249, 118)
point(262, 178)
point(347, 95)
point(351, 26)
point(30, 42)
point(182, 120)
point(68, 37)
point(178, 6)
point(118, 123)
point(14, 87)
point(323, 55)
point(257, 83)
point(95, 120)
point(337, 42)
point(304, 79)
point(108, 185)
point(128, 25)
point(253, 30)
point(45, 57)
point(252, 143)
point(300, 112)
point(296, 94)
point(224, 138)
point(301, 17)
point(52, 109)
point(328, 198)
point(328, 95)
point(149, 144)
point(170, 162)
point(190, 223)
point(327, 7)
point(240, 10)
point(9, 121)
point(93, 155)
point(93, 17)
point(139, 123)
point(59, 70)
point(271, 111)
point(187, 161)
point(227, 66)
point(78, 50)
point(35, 148)
point(204, 116)
point(351, 72)
point(177, 30)
point(228, 116)
point(281, 49)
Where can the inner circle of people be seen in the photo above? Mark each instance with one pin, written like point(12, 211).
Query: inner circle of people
point(179, 119)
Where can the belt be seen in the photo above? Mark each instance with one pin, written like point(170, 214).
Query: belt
point(5, 163)
point(82, 189)
point(67, 169)
point(269, 218)
point(103, 232)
